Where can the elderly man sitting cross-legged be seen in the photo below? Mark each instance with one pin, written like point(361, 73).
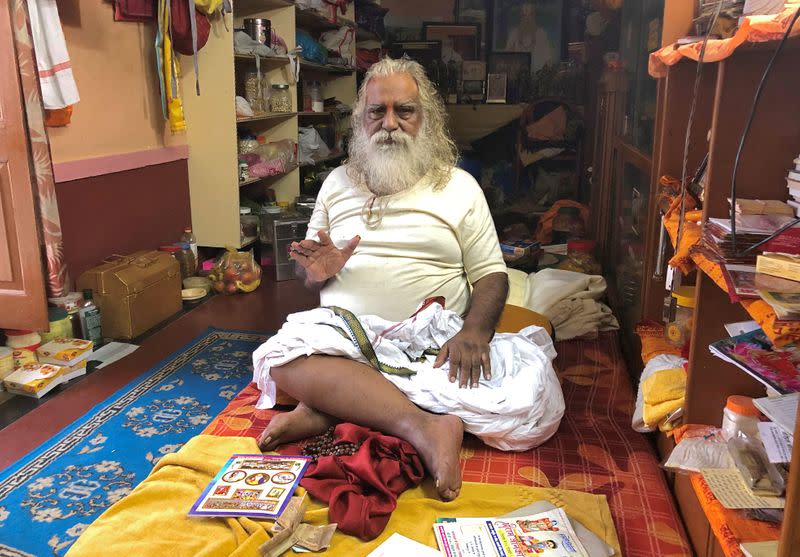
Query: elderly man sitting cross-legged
point(396, 225)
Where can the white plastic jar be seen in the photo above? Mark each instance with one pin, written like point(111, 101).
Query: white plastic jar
point(740, 415)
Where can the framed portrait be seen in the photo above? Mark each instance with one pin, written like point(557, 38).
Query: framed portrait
point(424, 52)
point(496, 88)
point(473, 71)
point(532, 26)
point(510, 63)
point(460, 41)
point(472, 90)
point(474, 11)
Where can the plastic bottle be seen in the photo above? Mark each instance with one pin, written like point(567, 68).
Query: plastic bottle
point(91, 328)
point(188, 238)
point(739, 415)
point(317, 101)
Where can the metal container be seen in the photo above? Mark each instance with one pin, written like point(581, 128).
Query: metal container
point(286, 231)
point(260, 30)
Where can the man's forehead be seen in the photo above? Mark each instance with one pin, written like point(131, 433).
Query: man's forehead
point(399, 87)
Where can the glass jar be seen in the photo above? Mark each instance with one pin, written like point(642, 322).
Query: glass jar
point(280, 100)
point(248, 225)
point(317, 100)
point(580, 259)
point(739, 415)
point(23, 340)
point(269, 214)
point(568, 225)
point(6, 361)
point(253, 91)
point(679, 328)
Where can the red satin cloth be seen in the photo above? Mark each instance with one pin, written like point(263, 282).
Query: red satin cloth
point(362, 489)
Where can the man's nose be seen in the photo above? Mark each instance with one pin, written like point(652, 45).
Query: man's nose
point(390, 121)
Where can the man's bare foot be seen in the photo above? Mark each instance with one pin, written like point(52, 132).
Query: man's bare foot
point(439, 444)
point(300, 423)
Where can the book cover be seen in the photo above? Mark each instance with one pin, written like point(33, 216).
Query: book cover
point(34, 380)
point(65, 351)
point(546, 534)
point(753, 352)
point(253, 485)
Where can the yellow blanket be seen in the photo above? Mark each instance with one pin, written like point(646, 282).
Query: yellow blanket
point(152, 520)
point(664, 392)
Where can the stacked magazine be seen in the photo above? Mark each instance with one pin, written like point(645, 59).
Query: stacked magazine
point(546, 534)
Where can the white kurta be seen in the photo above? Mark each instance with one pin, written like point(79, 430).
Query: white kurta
point(429, 243)
point(519, 408)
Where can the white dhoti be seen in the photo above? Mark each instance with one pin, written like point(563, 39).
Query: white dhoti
point(520, 407)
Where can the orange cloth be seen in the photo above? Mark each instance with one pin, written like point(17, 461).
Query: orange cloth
point(544, 231)
point(671, 189)
point(654, 342)
point(755, 29)
point(58, 117)
point(730, 526)
point(550, 127)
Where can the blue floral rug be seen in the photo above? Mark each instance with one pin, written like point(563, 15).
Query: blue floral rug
point(50, 497)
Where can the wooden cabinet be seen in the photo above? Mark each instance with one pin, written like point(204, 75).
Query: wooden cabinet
point(725, 95)
point(23, 302)
point(213, 128)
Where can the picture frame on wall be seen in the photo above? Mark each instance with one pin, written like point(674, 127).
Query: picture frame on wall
point(474, 11)
point(517, 67)
point(533, 26)
point(460, 41)
point(424, 52)
point(496, 88)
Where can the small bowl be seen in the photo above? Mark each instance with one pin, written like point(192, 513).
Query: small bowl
point(189, 294)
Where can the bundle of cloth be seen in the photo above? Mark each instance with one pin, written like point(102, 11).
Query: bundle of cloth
point(661, 394)
point(520, 407)
point(571, 302)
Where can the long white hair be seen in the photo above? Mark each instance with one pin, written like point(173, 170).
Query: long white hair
point(436, 154)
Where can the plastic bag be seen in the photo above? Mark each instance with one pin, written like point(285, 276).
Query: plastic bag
point(243, 108)
point(235, 271)
point(311, 49)
point(343, 42)
point(312, 148)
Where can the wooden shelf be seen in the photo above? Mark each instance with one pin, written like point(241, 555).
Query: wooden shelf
point(327, 68)
point(332, 157)
point(263, 178)
point(268, 116)
point(274, 60)
point(779, 332)
point(310, 20)
point(323, 114)
point(245, 7)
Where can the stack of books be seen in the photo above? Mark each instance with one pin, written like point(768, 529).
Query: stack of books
point(60, 360)
point(793, 185)
point(778, 283)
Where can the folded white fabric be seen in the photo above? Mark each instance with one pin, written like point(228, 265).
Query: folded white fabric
point(519, 408)
point(52, 60)
point(569, 301)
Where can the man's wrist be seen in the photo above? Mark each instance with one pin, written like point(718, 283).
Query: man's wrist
point(478, 329)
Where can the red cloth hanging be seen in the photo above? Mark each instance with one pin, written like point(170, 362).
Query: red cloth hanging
point(135, 10)
point(362, 489)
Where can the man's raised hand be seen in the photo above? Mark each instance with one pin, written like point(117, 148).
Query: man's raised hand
point(321, 260)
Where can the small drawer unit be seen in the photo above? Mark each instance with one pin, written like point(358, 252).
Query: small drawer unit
point(285, 231)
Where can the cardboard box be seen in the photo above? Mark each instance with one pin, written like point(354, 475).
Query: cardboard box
point(779, 265)
point(135, 292)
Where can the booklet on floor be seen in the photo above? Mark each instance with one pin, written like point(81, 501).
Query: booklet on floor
point(253, 485)
point(546, 534)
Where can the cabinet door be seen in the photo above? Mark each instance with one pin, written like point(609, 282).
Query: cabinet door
point(23, 303)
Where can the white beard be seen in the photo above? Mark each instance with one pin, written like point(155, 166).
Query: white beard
point(391, 162)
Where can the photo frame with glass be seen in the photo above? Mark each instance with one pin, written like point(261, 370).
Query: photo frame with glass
point(460, 41)
point(496, 88)
point(533, 26)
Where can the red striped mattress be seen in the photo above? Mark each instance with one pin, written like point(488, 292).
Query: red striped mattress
point(595, 449)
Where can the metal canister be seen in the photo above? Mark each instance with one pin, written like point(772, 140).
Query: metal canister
point(259, 29)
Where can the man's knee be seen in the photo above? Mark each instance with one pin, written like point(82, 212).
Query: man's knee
point(280, 374)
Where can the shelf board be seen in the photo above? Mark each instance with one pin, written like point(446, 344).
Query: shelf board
point(328, 68)
point(275, 60)
point(309, 20)
point(249, 242)
point(252, 6)
point(332, 157)
point(268, 116)
point(777, 331)
point(323, 114)
point(256, 180)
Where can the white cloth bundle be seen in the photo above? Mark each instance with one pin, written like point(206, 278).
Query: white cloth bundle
point(519, 408)
point(569, 301)
point(52, 59)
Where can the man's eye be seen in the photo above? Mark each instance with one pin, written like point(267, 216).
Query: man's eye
point(376, 112)
point(405, 111)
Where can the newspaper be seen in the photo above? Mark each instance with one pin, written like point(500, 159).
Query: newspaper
point(547, 534)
